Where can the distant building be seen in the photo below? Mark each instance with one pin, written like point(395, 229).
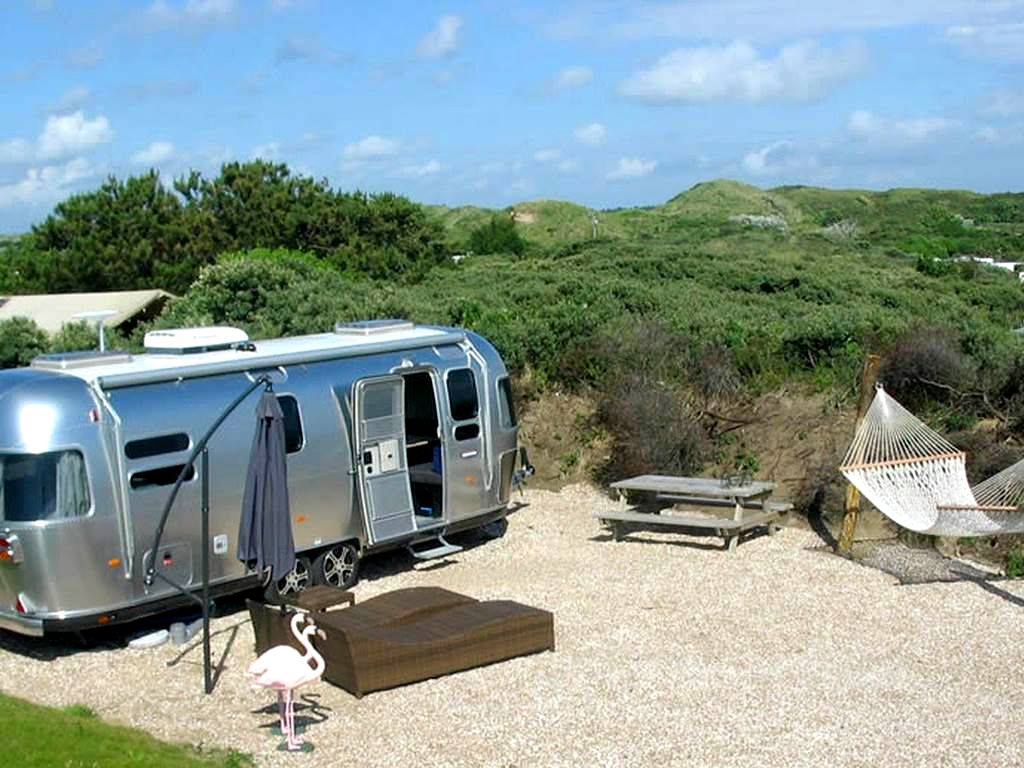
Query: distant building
point(52, 310)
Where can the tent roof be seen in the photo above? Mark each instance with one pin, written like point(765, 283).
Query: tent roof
point(50, 311)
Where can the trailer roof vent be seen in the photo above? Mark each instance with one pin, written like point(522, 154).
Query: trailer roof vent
point(64, 361)
point(188, 341)
point(373, 327)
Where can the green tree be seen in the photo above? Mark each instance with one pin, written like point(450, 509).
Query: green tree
point(264, 205)
point(499, 235)
point(127, 234)
point(137, 233)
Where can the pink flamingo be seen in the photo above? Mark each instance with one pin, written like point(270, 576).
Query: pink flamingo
point(284, 669)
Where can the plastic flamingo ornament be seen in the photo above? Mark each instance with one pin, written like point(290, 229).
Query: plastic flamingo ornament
point(283, 669)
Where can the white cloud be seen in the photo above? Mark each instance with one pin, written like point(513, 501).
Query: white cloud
point(769, 20)
point(518, 188)
point(15, 151)
point(1005, 104)
point(500, 166)
point(70, 101)
point(46, 184)
point(1000, 41)
point(65, 135)
point(371, 148)
point(989, 134)
point(269, 151)
point(572, 77)
point(632, 168)
point(443, 39)
point(546, 155)
point(309, 49)
point(167, 13)
point(593, 134)
point(781, 157)
point(568, 166)
point(882, 130)
point(800, 72)
point(154, 154)
point(429, 168)
point(87, 57)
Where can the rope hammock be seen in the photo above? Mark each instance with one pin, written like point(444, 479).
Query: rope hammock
point(918, 479)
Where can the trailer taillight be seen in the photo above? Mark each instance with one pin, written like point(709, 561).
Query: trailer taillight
point(10, 549)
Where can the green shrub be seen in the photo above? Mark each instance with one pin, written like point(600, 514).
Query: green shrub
point(73, 337)
point(1015, 564)
point(652, 430)
point(20, 341)
point(925, 364)
point(498, 235)
point(269, 294)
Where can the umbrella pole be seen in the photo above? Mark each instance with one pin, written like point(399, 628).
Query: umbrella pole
point(204, 472)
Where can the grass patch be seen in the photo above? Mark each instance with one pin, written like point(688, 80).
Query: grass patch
point(76, 738)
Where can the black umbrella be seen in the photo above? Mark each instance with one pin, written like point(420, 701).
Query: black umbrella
point(265, 530)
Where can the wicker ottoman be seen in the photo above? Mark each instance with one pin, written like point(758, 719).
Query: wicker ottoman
point(412, 634)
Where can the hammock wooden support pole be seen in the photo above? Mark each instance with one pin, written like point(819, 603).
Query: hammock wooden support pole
point(851, 506)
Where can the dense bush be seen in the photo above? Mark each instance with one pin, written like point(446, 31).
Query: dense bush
point(926, 364)
point(74, 337)
point(498, 235)
point(652, 429)
point(269, 294)
point(20, 340)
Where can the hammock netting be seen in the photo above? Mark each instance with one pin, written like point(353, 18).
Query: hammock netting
point(918, 479)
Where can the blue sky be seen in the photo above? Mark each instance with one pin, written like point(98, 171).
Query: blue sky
point(491, 103)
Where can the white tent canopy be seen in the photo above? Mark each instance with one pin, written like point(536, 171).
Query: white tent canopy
point(52, 310)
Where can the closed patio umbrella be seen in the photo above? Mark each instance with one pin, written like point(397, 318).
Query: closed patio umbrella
point(265, 529)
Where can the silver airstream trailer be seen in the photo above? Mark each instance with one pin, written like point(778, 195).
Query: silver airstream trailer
point(396, 435)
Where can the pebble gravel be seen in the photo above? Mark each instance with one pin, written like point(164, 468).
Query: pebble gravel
point(669, 651)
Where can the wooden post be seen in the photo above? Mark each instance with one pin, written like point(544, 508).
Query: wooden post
point(851, 507)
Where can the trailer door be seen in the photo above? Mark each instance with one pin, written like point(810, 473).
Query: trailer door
point(379, 440)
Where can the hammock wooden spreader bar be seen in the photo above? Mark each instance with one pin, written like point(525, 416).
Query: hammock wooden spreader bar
point(897, 462)
point(918, 479)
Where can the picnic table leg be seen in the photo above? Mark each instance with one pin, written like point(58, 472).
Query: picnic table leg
point(733, 541)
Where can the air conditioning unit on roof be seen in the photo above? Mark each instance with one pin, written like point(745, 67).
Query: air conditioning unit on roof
point(182, 341)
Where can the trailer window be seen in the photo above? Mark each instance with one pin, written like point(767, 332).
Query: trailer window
point(45, 486)
point(462, 394)
point(506, 408)
point(293, 438)
point(154, 446)
point(150, 478)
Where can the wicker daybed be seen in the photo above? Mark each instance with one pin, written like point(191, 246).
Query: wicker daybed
point(408, 635)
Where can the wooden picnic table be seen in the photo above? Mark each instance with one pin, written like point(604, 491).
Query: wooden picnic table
point(749, 501)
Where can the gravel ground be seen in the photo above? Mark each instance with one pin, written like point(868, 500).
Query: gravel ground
point(670, 651)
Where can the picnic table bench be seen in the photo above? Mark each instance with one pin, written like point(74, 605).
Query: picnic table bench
point(749, 501)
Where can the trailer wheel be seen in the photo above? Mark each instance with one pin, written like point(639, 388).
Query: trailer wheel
point(495, 529)
point(337, 566)
point(293, 582)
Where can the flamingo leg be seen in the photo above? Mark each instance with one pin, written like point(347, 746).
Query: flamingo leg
point(280, 710)
point(293, 743)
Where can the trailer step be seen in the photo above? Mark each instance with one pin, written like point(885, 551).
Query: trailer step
point(443, 549)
